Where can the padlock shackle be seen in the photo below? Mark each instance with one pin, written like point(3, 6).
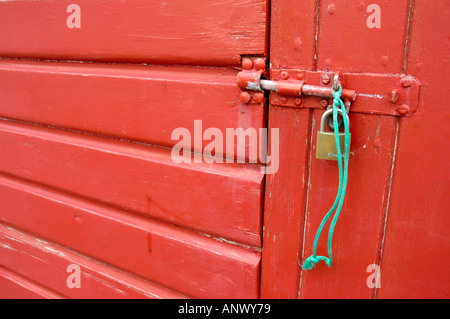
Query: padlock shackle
point(325, 116)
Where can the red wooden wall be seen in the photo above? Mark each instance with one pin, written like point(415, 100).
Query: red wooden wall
point(87, 179)
point(86, 171)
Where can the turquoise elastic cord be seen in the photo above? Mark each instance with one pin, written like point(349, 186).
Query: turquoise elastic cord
point(343, 173)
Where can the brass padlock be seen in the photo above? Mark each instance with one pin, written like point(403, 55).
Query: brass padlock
point(326, 142)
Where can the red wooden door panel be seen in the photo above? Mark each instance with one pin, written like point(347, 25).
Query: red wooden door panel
point(394, 212)
point(418, 223)
point(87, 175)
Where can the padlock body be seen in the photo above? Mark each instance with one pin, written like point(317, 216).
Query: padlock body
point(326, 146)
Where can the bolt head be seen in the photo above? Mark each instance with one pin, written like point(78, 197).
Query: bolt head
point(247, 64)
point(403, 109)
point(258, 97)
point(245, 97)
point(406, 82)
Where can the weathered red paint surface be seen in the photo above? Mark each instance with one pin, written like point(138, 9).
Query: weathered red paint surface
point(394, 215)
point(416, 248)
point(45, 264)
point(179, 95)
point(130, 176)
point(86, 171)
point(86, 175)
point(160, 32)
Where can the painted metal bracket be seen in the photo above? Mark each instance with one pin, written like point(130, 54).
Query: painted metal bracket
point(384, 94)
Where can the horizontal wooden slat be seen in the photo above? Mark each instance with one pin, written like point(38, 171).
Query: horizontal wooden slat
point(46, 264)
point(220, 199)
point(177, 258)
point(170, 31)
point(142, 103)
point(13, 286)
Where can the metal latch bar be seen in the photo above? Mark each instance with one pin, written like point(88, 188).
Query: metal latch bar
point(302, 89)
point(384, 94)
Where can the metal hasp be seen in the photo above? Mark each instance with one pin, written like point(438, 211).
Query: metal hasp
point(384, 94)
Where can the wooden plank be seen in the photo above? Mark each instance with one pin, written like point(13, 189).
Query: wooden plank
point(293, 28)
point(284, 205)
point(47, 265)
point(360, 225)
point(170, 32)
point(417, 245)
point(174, 257)
point(347, 43)
point(141, 103)
point(221, 199)
point(13, 286)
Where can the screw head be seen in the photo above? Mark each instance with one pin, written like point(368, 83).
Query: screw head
point(324, 103)
point(325, 78)
point(284, 75)
point(245, 97)
point(258, 97)
point(298, 101)
point(283, 100)
point(403, 109)
point(394, 96)
point(406, 82)
point(247, 64)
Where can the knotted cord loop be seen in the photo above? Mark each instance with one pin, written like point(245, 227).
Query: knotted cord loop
point(312, 260)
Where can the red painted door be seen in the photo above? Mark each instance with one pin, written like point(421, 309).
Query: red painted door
point(91, 95)
point(392, 236)
point(95, 95)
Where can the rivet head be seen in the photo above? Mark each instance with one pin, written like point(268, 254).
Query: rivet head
point(384, 60)
point(260, 64)
point(258, 97)
point(245, 97)
point(377, 143)
point(298, 101)
point(283, 100)
point(331, 8)
point(284, 75)
point(247, 64)
point(403, 109)
point(406, 81)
